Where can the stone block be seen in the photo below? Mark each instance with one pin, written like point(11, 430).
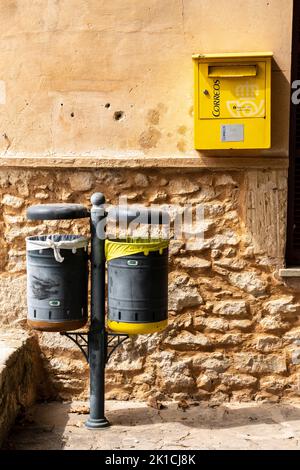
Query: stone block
point(260, 364)
point(231, 308)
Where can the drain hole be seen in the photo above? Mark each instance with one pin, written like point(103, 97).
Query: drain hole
point(119, 316)
point(136, 316)
point(50, 314)
point(34, 313)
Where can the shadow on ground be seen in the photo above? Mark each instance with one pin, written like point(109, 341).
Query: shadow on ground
point(40, 427)
point(205, 416)
point(137, 426)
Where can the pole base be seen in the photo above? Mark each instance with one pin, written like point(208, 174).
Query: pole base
point(97, 423)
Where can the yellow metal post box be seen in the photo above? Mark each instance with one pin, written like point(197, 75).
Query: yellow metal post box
point(232, 101)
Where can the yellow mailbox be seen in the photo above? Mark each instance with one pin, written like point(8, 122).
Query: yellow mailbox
point(232, 101)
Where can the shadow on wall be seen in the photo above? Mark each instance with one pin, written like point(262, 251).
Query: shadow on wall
point(264, 195)
point(263, 198)
point(65, 368)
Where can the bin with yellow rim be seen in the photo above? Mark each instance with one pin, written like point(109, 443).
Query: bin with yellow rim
point(137, 285)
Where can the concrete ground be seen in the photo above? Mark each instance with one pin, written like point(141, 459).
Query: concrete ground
point(137, 426)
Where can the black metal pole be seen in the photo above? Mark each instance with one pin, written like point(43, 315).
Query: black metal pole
point(97, 335)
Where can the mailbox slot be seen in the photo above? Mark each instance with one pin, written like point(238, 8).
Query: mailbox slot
point(231, 71)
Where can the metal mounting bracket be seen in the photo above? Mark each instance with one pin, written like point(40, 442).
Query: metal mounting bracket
point(114, 340)
point(81, 340)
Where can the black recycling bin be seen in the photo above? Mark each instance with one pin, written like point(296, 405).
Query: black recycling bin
point(137, 285)
point(57, 270)
point(57, 282)
point(57, 273)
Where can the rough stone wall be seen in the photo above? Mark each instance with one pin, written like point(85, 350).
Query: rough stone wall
point(22, 378)
point(234, 326)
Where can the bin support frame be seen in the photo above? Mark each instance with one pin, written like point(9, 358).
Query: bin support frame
point(80, 338)
point(97, 345)
point(97, 335)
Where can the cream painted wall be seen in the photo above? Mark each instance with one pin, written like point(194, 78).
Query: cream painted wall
point(62, 61)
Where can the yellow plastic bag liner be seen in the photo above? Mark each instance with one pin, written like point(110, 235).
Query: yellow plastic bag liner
point(117, 248)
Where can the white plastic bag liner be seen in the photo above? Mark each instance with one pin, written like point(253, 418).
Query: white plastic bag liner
point(57, 243)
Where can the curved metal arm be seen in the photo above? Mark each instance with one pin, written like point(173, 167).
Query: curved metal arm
point(113, 341)
point(112, 345)
point(81, 341)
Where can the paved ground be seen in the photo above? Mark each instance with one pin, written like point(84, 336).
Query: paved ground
point(137, 426)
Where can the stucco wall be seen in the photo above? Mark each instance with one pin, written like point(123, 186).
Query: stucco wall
point(63, 61)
